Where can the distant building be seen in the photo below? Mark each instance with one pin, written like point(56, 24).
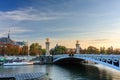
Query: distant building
point(70, 50)
point(8, 40)
point(21, 44)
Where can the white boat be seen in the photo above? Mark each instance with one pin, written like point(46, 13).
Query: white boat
point(17, 63)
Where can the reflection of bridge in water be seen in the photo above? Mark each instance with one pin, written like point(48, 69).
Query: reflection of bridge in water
point(112, 61)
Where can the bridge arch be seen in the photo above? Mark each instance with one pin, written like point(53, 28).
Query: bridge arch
point(77, 59)
point(112, 61)
point(73, 59)
point(68, 60)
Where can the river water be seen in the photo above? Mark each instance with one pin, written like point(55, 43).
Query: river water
point(67, 72)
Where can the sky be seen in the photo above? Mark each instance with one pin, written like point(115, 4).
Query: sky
point(92, 22)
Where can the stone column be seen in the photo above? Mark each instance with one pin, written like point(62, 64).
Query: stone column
point(77, 47)
point(47, 47)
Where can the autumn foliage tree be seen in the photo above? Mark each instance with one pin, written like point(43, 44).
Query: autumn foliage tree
point(24, 50)
point(10, 49)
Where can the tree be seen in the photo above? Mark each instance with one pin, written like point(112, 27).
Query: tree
point(92, 50)
point(24, 50)
point(110, 50)
point(116, 51)
point(72, 51)
point(58, 50)
point(16, 50)
point(43, 51)
point(83, 51)
point(10, 49)
point(102, 50)
point(35, 49)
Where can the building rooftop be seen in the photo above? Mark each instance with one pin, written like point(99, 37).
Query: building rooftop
point(8, 40)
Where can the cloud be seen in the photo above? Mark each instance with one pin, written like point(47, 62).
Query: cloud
point(30, 14)
point(99, 40)
point(19, 30)
point(2, 34)
point(96, 14)
point(13, 30)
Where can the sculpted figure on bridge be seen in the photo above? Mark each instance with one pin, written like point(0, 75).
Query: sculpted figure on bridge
point(47, 39)
point(47, 47)
point(77, 47)
point(77, 42)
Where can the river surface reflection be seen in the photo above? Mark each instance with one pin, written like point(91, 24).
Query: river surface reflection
point(67, 72)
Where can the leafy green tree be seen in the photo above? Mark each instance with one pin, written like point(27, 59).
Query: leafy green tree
point(59, 50)
point(43, 51)
point(35, 49)
point(92, 50)
point(102, 50)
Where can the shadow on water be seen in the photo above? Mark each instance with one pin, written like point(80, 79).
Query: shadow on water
point(85, 72)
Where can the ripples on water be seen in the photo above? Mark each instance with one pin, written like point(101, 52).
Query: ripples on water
point(67, 72)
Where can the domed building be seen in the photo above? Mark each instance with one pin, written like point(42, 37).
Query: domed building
point(10, 47)
point(8, 40)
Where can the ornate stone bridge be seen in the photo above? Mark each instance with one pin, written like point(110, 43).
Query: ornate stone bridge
point(112, 61)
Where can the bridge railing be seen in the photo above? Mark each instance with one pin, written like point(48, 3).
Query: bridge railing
point(57, 56)
point(109, 60)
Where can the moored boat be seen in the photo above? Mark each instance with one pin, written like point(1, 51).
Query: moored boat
point(17, 63)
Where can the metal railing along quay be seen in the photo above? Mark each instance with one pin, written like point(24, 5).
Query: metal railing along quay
point(24, 76)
